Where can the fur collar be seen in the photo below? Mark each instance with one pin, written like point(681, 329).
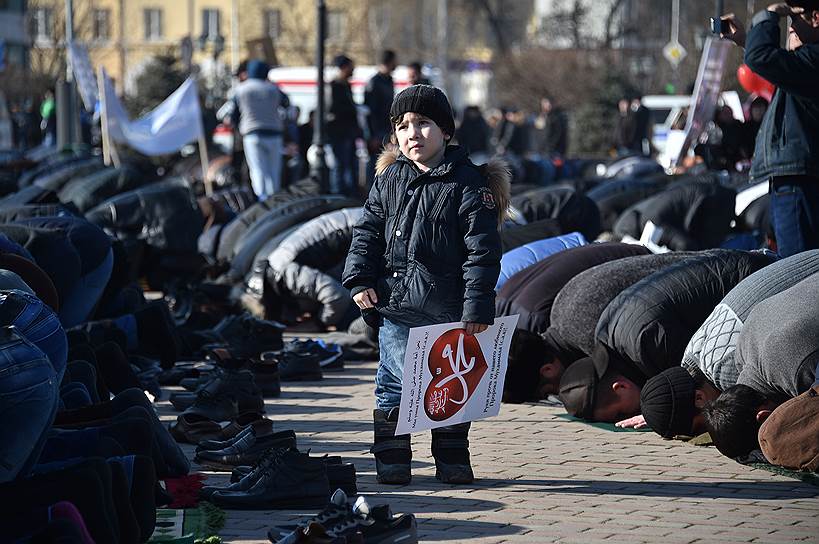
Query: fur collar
point(496, 171)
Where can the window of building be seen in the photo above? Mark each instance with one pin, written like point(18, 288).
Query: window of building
point(336, 24)
point(102, 24)
point(42, 24)
point(272, 23)
point(153, 24)
point(210, 23)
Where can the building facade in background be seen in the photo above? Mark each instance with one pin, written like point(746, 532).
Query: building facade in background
point(14, 40)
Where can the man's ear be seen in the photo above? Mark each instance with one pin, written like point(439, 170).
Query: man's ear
point(762, 415)
point(620, 384)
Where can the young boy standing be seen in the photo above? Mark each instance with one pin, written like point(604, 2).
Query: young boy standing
point(426, 251)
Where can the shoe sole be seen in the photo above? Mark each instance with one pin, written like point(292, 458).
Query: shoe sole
point(221, 467)
point(460, 477)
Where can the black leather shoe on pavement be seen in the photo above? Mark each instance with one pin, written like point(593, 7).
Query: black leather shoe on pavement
point(246, 451)
point(294, 366)
point(293, 480)
point(341, 475)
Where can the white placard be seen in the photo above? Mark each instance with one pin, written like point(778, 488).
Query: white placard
point(450, 377)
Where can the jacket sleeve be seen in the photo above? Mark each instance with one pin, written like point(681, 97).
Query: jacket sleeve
point(479, 226)
point(796, 72)
point(368, 246)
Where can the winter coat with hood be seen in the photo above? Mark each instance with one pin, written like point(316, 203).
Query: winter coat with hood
point(428, 242)
point(646, 327)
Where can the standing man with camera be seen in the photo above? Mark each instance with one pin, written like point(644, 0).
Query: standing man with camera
point(787, 146)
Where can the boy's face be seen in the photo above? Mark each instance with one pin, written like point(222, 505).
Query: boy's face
point(419, 138)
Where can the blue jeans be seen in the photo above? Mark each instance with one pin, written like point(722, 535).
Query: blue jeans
point(264, 161)
point(795, 213)
point(392, 345)
point(38, 324)
point(343, 179)
point(78, 303)
point(28, 402)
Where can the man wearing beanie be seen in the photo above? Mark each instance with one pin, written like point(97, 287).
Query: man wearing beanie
point(427, 250)
point(709, 358)
point(671, 402)
point(643, 331)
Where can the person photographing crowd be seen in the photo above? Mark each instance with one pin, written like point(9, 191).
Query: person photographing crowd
point(787, 146)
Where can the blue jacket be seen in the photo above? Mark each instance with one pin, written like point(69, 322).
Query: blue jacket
point(788, 140)
point(522, 257)
point(428, 243)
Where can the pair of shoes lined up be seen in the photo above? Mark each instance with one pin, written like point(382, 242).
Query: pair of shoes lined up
point(268, 471)
point(350, 522)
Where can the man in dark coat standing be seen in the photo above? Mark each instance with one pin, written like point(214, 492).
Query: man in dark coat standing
point(787, 145)
point(378, 98)
point(343, 128)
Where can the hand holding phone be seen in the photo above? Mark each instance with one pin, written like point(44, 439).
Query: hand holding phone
point(729, 27)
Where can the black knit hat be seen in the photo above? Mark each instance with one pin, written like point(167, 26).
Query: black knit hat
point(667, 402)
point(425, 100)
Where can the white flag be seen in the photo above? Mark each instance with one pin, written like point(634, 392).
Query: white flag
point(177, 121)
point(450, 377)
point(83, 74)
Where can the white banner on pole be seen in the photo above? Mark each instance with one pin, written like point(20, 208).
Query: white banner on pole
point(450, 377)
point(176, 122)
point(706, 91)
point(83, 74)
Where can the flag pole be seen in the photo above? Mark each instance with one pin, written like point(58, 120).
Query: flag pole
point(109, 152)
point(203, 157)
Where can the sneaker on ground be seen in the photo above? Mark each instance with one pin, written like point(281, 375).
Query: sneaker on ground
point(377, 525)
point(334, 513)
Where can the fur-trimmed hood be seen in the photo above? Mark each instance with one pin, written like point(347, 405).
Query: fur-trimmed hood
point(496, 171)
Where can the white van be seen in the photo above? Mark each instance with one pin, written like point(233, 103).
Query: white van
point(299, 84)
point(668, 111)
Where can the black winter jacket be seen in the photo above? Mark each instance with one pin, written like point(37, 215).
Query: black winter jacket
point(644, 329)
point(788, 140)
point(429, 242)
point(694, 215)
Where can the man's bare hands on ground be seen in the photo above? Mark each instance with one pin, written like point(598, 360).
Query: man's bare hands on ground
point(475, 328)
point(636, 422)
point(736, 30)
point(366, 299)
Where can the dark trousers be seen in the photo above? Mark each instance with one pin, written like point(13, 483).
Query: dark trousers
point(795, 213)
point(344, 178)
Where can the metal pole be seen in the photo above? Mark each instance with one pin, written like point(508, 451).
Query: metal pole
point(69, 35)
point(442, 45)
point(234, 36)
point(320, 170)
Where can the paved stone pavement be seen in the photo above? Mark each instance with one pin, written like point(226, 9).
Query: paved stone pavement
point(543, 479)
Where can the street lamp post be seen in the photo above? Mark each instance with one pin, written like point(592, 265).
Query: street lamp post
point(320, 170)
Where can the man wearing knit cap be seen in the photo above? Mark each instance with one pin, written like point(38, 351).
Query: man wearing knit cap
point(671, 402)
point(643, 330)
point(710, 355)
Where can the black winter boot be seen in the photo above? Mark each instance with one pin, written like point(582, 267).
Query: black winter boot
point(450, 447)
point(393, 454)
